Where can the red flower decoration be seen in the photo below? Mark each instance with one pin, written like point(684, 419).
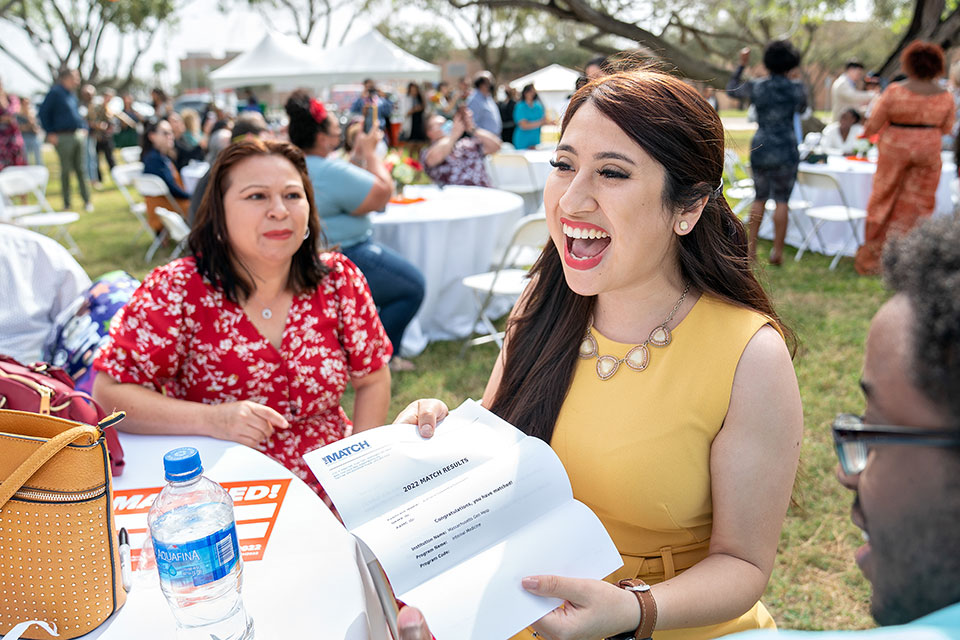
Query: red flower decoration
point(317, 110)
point(410, 162)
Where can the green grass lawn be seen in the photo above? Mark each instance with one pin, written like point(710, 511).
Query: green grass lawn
point(815, 584)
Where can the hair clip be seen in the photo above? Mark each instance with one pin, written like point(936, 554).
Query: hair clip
point(719, 190)
point(318, 111)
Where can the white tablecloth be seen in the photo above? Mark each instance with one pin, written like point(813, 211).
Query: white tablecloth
point(454, 233)
point(856, 181)
point(310, 582)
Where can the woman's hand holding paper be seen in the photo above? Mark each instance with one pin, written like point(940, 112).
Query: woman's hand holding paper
point(591, 608)
point(425, 413)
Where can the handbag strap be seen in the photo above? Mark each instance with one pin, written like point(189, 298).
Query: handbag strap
point(40, 457)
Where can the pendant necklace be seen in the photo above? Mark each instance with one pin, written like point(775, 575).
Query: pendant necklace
point(638, 357)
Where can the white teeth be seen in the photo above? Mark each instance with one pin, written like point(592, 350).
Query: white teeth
point(579, 232)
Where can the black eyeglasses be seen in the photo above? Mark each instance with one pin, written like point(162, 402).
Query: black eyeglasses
point(853, 439)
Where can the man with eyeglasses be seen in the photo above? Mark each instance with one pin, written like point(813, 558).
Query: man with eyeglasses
point(901, 458)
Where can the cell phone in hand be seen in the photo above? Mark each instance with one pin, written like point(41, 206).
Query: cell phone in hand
point(369, 117)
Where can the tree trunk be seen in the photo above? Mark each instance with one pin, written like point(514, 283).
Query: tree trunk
point(925, 25)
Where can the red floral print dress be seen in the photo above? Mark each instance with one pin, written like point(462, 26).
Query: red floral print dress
point(180, 336)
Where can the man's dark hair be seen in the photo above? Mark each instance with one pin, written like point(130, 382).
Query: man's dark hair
point(780, 56)
point(251, 122)
point(924, 265)
point(853, 64)
point(856, 115)
point(483, 78)
point(66, 72)
point(599, 61)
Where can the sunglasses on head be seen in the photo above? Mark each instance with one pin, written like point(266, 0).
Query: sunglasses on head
point(853, 439)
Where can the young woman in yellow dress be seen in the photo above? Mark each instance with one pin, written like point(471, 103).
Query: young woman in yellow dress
point(647, 354)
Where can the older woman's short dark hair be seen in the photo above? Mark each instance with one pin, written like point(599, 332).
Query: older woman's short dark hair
point(923, 60)
point(210, 243)
point(925, 267)
point(780, 57)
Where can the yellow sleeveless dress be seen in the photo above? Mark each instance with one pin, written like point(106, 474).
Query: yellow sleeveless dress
point(637, 448)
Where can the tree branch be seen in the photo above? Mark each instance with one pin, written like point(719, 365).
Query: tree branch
point(583, 12)
point(22, 64)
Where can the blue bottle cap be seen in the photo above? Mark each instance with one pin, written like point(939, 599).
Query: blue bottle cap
point(182, 464)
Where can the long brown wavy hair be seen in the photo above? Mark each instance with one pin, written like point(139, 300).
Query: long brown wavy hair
point(209, 241)
point(681, 131)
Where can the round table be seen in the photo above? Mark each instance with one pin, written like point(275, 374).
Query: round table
point(302, 576)
point(855, 178)
point(453, 233)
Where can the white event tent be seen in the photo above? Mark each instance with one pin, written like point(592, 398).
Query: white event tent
point(278, 60)
point(373, 56)
point(286, 63)
point(554, 83)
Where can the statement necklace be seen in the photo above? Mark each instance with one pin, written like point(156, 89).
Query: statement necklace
point(638, 357)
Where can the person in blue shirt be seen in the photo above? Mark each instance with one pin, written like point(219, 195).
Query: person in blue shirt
point(901, 459)
point(529, 117)
point(486, 113)
point(372, 95)
point(346, 194)
point(67, 131)
point(157, 145)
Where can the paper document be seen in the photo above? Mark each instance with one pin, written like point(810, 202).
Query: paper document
point(458, 520)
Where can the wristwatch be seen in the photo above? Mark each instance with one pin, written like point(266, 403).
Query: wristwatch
point(648, 610)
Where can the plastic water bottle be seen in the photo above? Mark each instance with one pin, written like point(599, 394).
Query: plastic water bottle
point(198, 557)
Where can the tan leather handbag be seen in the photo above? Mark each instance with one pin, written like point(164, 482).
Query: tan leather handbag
point(59, 561)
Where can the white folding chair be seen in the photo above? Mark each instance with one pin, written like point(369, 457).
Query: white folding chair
point(21, 182)
point(176, 228)
point(513, 172)
point(31, 177)
point(509, 276)
point(149, 185)
point(819, 215)
point(123, 175)
point(130, 154)
point(740, 189)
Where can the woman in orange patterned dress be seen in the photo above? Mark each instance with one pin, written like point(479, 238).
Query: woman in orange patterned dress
point(910, 117)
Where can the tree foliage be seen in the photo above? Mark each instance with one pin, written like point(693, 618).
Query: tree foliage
point(428, 42)
point(700, 37)
point(75, 33)
point(489, 33)
point(544, 42)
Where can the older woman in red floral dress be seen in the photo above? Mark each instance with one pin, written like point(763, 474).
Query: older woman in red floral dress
point(256, 335)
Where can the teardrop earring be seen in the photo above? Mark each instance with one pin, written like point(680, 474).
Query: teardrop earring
point(307, 234)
